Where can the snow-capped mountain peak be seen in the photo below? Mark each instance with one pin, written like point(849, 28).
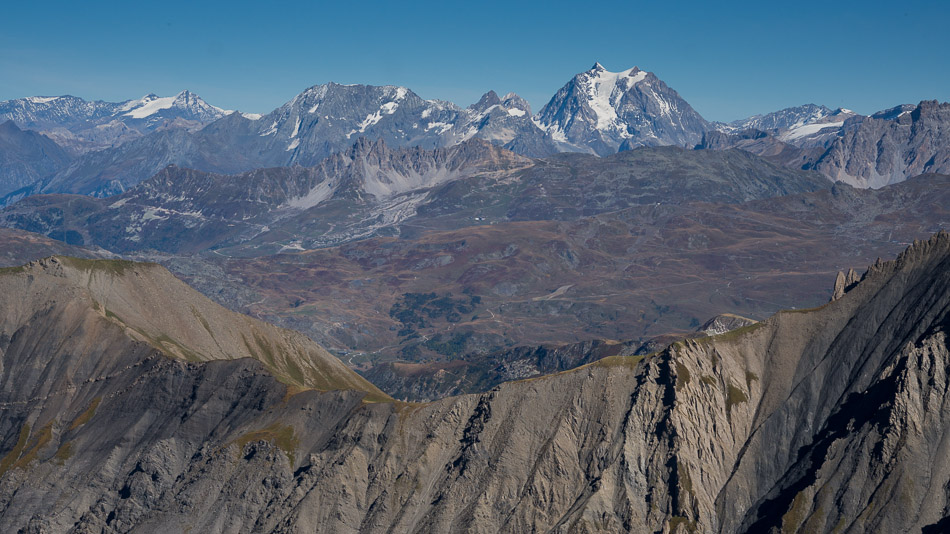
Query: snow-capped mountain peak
point(605, 89)
point(604, 111)
point(785, 119)
point(83, 125)
point(185, 103)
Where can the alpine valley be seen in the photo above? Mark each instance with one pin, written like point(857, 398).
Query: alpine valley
point(366, 311)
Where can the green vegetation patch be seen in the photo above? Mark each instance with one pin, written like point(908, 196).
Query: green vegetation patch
point(114, 267)
point(86, 415)
point(267, 352)
point(708, 380)
point(281, 436)
point(17, 450)
point(749, 378)
point(64, 453)
point(12, 270)
point(39, 441)
point(202, 320)
point(26, 449)
point(734, 396)
point(630, 362)
point(418, 310)
point(168, 344)
point(682, 376)
point(449, 346)
point(677, 521)
point(795, 514)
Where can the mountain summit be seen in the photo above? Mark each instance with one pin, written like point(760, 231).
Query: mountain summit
point(607, 111)
point(185, 105)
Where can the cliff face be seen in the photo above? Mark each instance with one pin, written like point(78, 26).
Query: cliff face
point(883, 150)
point(827, 420)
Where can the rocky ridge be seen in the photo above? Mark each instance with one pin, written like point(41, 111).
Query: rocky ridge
point(891, 147)
point(372, 189)
point(810, 421)
point(82, 126)
point(592, 113)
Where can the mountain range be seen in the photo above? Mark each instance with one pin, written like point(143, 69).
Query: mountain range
point(118, 145)
point(448, 259)
point(366, 311)
point(81, 126)
point(372, 189)
point(126, 415)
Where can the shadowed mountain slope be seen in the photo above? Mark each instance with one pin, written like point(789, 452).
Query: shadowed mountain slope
point(27, 157)
point(814, 421)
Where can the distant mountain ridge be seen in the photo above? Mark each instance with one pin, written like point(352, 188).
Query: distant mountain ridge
point(867, 152)
point(891, 146)
point(638, 109)
point(82, 126)
point(597, 111)
point(27, 156)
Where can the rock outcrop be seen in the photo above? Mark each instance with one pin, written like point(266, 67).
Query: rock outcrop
point(844, 283)
point(825, 420)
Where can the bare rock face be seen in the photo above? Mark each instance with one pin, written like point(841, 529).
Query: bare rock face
point(890, 147)
point(603, 112)
point(844, 283)
point(823, 420)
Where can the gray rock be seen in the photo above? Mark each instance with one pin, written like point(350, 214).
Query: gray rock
point(807, 422)
point(82, 126)
point(890, 147)
point(603, 112)
point(26, 157)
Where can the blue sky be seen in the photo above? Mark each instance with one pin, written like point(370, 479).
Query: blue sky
point(728, 59)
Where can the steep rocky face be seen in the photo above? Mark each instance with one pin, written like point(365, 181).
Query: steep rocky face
point(329, 118)
point(505, 121)
point(810, 421)
point(887, 147)
point(820, 132)
point(26, 157)
point(221, 147)
point(605, 111)
point(805, 126)
point(899, 144)
point(793, 137)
